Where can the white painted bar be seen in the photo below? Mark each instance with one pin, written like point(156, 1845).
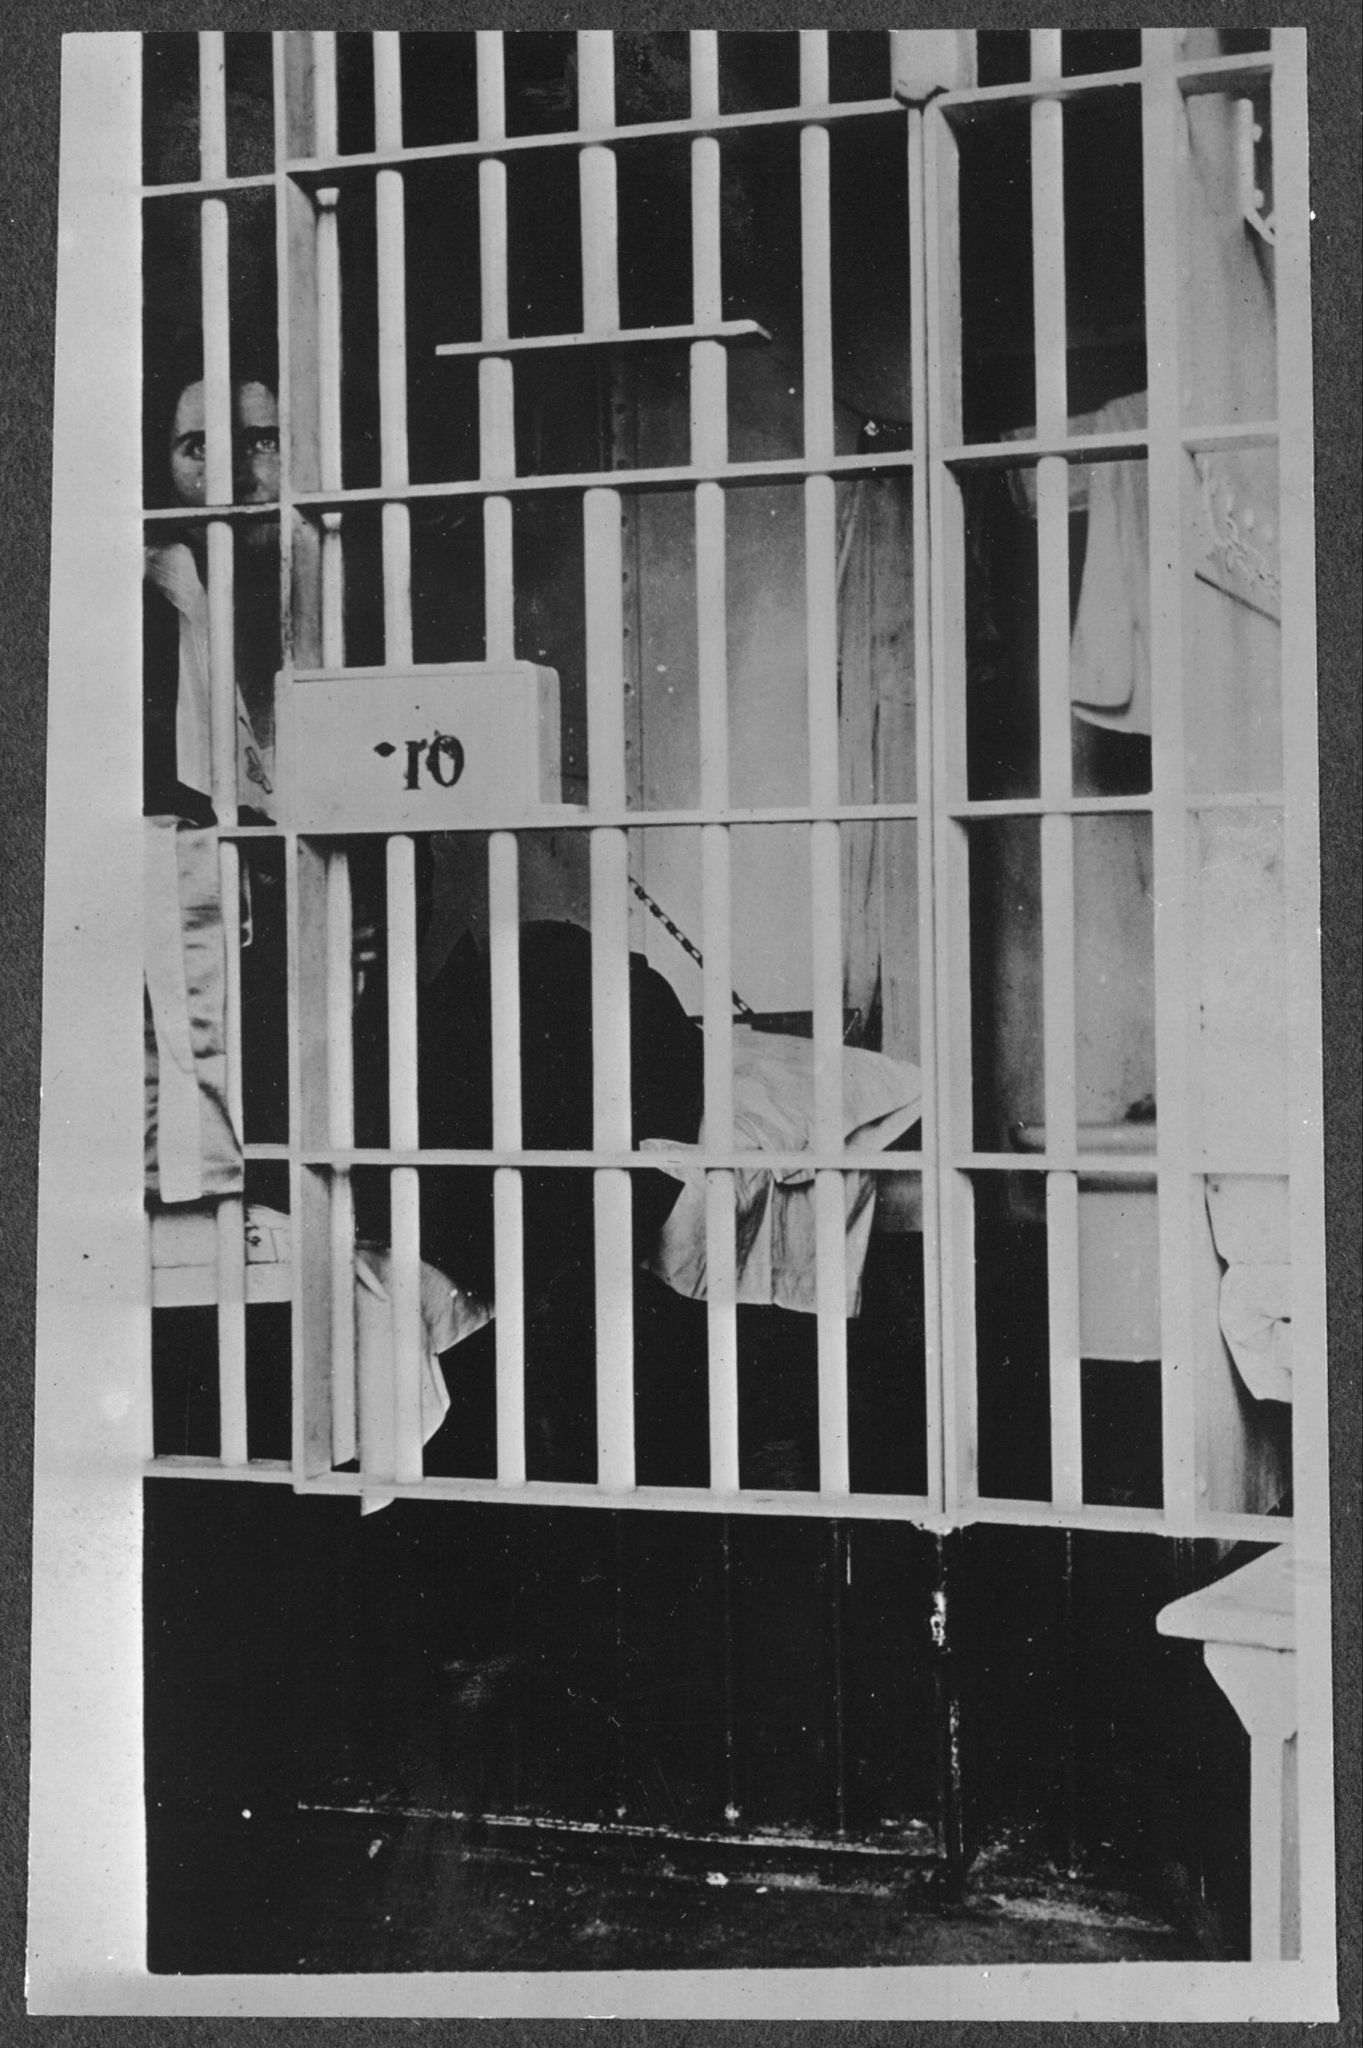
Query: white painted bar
point(825, 871)
point(1062, 1284)
point(1053, 626)
point(341, 1132)
point(816, 257)
point(952, 1109)
point(1059, 1053)
point(704, 49)
point(397, 544)
point(333, 592)
point(612, 1120)
point(1301, 878)
point(813, 67)
point(496, 387)
point(397, 586)
point(821, 638)
point(503, 890)
point(614, 1329)
point(329, 338)
point(597, 183)
point(230, 1258)
point(604, 561)
point(712, 646)
point(400, 856)
point(1292, 262)
point(496, 418)
point(720, 1255)
point(709, 359)
point(408, 1335)
point(595, 79)
point(825, 863)
point(508, 1224)
point(933, 1347)
point(1163, 135)
point(721, 1293)
point(231, 1318)
point(390, 232)
point(830, 1253)
point(508, 1220)
point(403, 1131)
point(212, 103)
point(1057, 835)
point(717, 929)
point(492, 248)
point(330, 469)
point(830, 1216)
point(324, 92)
point(491, 65)
point(960, 1410)
point(498, 583)
point(1048, 240)
point(387, 90)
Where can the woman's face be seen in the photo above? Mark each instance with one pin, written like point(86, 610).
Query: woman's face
point(255, 446)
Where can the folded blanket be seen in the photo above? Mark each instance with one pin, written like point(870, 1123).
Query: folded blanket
point(775, 1211)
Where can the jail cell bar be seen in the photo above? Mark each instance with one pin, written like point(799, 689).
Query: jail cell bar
point(313, 583)
point(1165, 80)
point(217, 384)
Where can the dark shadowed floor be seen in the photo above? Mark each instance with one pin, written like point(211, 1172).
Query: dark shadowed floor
point(343, 1891)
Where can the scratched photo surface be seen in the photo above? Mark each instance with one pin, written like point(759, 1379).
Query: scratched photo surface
point(681, 1295)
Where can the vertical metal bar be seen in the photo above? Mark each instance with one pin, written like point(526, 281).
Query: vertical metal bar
point(324, 92)
point(313, 1443)
point(341, 1135)
point(612, 1123)
point(709, 363)
point(952, 1106)
point(1292, 264)
point(491, 68)
point(613, 1133)
point(603, 554)
point(709, 447)
point(1301, 882)
point(1048, 241)
point(496, 394)
point(392, 297)
point(1163, 139)
point(1062, 1282)
point(930, 1184)
point(720, 1251)
point(704, 53)
point(403, 1135)
point(387, 90)
point(825, 858)
point(329, 451)
point(597, 182)
point(402, 1021)
point(217, 390)
point(1050, 324)
point(816, 255)
point(212, 104)
point(508, 1222)
point(814, 67)
point(829, 1187)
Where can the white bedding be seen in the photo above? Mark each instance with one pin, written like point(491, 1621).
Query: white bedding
point(775, 1210)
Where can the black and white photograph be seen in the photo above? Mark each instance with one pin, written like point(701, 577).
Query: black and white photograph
point(681, 1300)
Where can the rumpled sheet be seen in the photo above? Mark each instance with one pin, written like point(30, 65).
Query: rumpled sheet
point(775, 1212)
point(1251, 1226)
